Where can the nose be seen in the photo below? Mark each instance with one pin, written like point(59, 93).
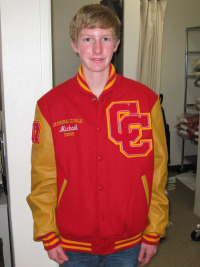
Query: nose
point(97, 48)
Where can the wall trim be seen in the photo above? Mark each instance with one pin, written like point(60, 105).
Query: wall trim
point(46, 45)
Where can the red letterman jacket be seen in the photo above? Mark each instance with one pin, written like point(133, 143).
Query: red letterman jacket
point(99, 167)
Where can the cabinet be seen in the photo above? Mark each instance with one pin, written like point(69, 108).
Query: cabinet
point(192, 88)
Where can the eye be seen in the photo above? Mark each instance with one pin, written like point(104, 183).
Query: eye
point(87, 39)
point(106, 39)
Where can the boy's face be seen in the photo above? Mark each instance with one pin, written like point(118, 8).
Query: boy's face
point(95, 48)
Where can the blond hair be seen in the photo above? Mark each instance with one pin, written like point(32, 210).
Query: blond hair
point(94, 16)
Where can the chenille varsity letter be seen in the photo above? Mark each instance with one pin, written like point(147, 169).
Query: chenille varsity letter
point(125, 128)
point(36, 132)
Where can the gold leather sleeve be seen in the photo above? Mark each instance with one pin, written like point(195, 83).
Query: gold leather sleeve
point(159, 207)
point(43, 197)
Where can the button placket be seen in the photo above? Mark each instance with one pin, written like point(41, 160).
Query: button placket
point(100, 185)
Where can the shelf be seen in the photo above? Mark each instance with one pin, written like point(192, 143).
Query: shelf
point(192, 52)
point(191, 76)
point(187, 139)
point(191, 106)
point(192, 158)
point(193, 28)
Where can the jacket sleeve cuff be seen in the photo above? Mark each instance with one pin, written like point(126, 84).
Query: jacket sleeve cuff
point(151, 239)
point(50, 241)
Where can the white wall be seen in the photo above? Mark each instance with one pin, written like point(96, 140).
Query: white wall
point(24, 24)
point(179, 15)
point(131, 38)
point(65, 61)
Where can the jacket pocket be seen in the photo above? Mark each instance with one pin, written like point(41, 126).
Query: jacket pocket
point(62, 191)
point(146, 188)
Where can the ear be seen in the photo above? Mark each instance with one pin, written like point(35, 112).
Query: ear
point(74, 47)
point(116, 45)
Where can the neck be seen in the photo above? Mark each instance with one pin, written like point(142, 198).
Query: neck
point(96, 81)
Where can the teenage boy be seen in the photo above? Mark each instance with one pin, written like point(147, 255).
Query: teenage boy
point(99, 158)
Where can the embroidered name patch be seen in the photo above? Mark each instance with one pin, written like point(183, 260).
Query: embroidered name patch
point(125, 128)
point(36, 132)
point(68, 127)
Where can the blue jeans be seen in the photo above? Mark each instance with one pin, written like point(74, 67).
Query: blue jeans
point(123, 258)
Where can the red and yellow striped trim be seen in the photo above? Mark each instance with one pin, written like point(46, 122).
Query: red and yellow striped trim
point(50, 241)
point(83, 83)
point(152, 239)
point(128, 242)
point(69, 244)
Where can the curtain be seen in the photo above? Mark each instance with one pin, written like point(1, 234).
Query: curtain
point(152, 15)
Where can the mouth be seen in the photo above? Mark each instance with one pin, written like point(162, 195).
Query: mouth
point(97, 59)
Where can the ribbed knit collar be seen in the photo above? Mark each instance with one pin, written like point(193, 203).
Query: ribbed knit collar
point(82, 82)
